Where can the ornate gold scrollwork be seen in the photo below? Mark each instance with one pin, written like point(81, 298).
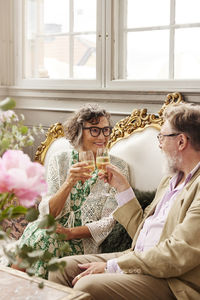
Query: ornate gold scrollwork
point(171, 99)
point(54, 132)
point(140, 119)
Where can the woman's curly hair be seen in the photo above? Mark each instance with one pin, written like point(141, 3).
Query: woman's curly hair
point(74, 125)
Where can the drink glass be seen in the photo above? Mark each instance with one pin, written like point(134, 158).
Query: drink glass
point(102, 159)
point(88, 157)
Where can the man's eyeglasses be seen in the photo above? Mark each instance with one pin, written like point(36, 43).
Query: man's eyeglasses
point(161, 136)
point(96, 131)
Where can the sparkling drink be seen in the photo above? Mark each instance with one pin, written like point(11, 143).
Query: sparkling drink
point(91, 165)
point(102, 162)
point(88, 157)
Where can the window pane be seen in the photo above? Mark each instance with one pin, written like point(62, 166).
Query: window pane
point(56, 16)
point(85, 57)
point(56, 57)
point(187, 53)
point(47, 58)
point(147, 55)
point(187, 11)
point(52, 49)
point(84, 15)
point(145, 13)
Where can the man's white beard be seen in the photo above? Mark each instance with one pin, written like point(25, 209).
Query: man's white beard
point(170, 164)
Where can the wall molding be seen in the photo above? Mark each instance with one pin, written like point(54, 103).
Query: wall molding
point(118, 102)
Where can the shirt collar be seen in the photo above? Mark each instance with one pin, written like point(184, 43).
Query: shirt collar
point(177, 177)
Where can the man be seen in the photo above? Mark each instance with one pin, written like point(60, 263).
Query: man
point(164, 262)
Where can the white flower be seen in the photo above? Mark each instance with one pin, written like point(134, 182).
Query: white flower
point(8, 117)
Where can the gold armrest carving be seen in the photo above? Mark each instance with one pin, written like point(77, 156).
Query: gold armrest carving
point(54, 132)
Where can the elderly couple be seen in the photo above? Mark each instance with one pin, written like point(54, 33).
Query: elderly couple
point(164, 260)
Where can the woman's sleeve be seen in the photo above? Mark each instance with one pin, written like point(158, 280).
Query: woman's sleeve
point(100, 229)
point(56, 174)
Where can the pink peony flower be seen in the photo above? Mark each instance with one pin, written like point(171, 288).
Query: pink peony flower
point(21, 176)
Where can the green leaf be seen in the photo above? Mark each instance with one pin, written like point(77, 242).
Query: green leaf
point(51, 229)
point(61, 236)
point(47, 256)
point(41, 285)
point(12, 212)
point(65, 249)
point(36, 253)
point(53, 267)
point(47, 222)
point(62, 263)
point(23, 129)
point(32, 214)
point(5, 143)
point(7, 103)
point(2, 235)
point(25, 249)
point(20, 209)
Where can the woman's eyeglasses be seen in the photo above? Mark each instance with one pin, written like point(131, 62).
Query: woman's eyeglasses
point(96, 131)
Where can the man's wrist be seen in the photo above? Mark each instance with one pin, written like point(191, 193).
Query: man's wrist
point(122, 188)
point(125, 196)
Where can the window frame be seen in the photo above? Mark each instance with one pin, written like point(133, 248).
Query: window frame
point(55, 83)
point(106, 57)
point(145, 85)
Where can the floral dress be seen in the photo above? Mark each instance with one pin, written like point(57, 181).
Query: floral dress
point(39, 239)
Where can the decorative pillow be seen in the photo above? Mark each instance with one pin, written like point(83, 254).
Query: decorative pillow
point(119, 240)
point(16, 225)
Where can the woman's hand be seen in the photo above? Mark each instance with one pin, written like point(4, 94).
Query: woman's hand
point(78, 232)
point(62, 230)
point(90, 268)
point(78, 172)
point(115, 178)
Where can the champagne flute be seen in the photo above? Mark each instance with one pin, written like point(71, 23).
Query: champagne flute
point(88, 157)
point(102, 159)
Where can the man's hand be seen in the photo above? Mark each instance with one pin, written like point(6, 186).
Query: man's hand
point(90, 268)
point(114, 177)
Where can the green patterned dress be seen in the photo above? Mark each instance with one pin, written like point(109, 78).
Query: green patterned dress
point(39, 239)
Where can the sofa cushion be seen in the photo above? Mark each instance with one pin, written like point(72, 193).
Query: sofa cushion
point(119, 240)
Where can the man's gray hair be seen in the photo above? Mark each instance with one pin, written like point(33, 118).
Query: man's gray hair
point(185, 117)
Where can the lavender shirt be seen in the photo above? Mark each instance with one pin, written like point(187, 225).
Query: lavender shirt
point(150, 233)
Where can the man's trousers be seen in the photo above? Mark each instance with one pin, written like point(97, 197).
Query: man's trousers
point(111, 286)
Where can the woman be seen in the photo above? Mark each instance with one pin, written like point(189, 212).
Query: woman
point(81, 203)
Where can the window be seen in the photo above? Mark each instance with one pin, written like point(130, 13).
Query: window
point(111, 43)
point(60, 39)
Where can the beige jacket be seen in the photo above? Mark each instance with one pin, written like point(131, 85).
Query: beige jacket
point(177, 255)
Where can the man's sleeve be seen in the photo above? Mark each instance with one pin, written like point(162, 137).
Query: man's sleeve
point(179, 251)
